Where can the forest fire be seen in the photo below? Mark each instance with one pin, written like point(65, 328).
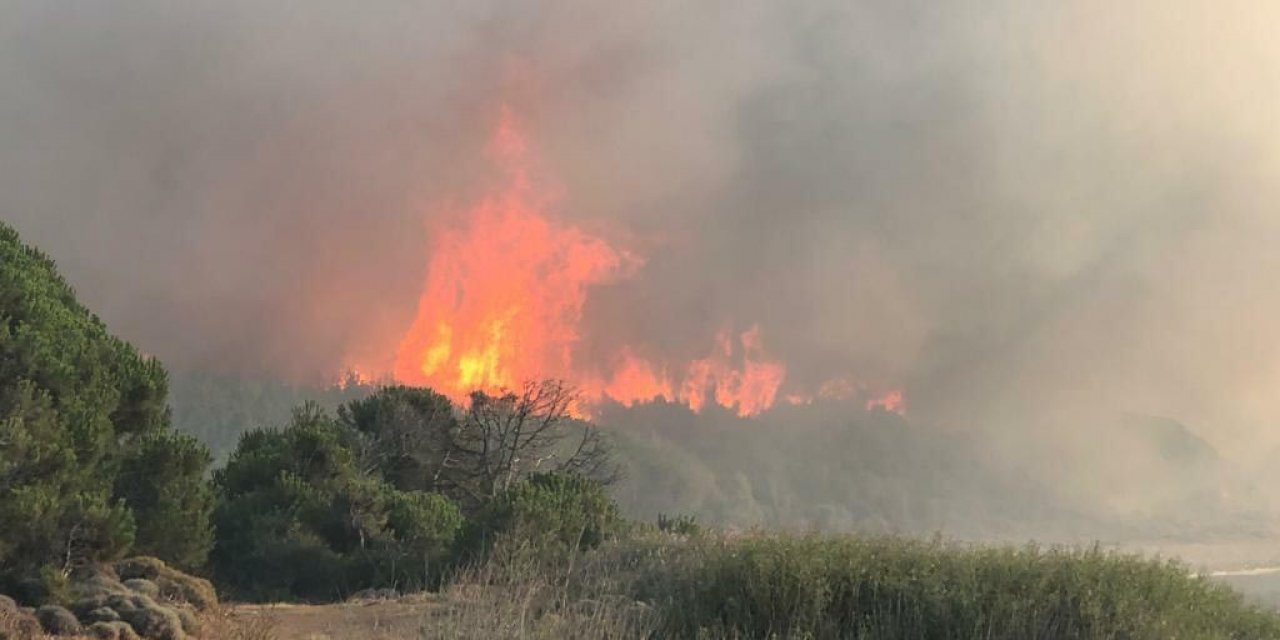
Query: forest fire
point(503, 296)
point(503, 302)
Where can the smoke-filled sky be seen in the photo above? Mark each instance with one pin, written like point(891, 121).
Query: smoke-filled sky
point(1017, 211)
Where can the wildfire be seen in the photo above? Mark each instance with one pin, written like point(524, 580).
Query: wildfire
point(503, 296)
point(890, 401)
point(502, 304)
point(843, 389)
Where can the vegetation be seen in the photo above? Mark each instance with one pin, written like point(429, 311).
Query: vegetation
point(88, 466)
point(848, 587)
point(833, 587)
point(831, 466)
point(298, 518)
point(504, 505)
point(377, 497)
point(550, 510)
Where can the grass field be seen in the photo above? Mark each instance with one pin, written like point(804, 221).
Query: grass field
point(804, 587)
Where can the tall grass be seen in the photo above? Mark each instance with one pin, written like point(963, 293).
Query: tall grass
point(791, 587)
point(540, 594)
point(222, 623)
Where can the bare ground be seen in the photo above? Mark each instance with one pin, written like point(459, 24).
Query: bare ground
point(373, 620)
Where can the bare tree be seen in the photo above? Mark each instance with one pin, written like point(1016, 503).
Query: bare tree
point(504, 438)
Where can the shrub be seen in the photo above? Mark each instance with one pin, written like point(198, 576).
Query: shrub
point(777, 586)
point(116, 630)
point(173, 585)
point(298, 518)
point(679, 525)
point(560, 509)
point(426, 527)
point(16, 623)
point(58, 621)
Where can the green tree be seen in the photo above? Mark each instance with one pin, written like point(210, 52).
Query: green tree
point(162, 480)
point(297, 517)
point(417, 440)
point(77, 405)
point(404, 435)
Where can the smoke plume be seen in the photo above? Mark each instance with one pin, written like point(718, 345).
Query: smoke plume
point(1023, 214)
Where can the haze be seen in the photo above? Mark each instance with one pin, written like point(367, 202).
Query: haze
point(1030, 216)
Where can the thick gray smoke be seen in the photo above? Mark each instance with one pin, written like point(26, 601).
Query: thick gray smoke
point(1023, 213)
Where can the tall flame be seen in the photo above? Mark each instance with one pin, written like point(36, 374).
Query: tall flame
point(503, 296)
point(503, 299)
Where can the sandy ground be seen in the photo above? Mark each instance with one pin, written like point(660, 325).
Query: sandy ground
point(377, 620)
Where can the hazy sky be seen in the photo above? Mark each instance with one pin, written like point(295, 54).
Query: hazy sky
point(1020, 211)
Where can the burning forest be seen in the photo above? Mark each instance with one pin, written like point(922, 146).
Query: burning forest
point(502, 305)
point(1003, 272)
point(317, 301)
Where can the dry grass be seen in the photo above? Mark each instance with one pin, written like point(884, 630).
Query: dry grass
point(228, 623)
point(522, 600)
point(15, 625)
point(217, 624)
point(521, 593)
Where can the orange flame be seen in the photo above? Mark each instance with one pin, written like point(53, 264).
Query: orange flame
point(502, 304)
point(890, 401)
point(751, 389)
point(503, 296)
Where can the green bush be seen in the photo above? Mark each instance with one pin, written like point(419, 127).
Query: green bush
point(326, 507)
point(819, 587)
point(425, 524)
point(559, 509)
point(298, 518)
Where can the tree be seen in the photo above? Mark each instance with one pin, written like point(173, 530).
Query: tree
point(162, 480)
point(77, 405)
point(298, 517)
point(417, 440)
point(404, 434)
point(506, 438)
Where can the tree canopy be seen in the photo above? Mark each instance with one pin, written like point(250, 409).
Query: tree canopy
point(89, 468)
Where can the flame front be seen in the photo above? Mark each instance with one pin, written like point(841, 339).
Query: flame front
point(503, 299)
point(504, 294)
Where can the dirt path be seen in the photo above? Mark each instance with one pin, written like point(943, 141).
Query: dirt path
point(377, 620)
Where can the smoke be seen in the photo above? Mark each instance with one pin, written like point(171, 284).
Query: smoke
point(1024, 213)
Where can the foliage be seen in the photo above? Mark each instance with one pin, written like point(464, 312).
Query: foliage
point(78, 406)
point(563, 509)
point(849, 587)
point(504, 439)
point(163, 481)
point(416, 440)
point(404, 434)
point(681, 525)
point(426, 526)
point(657, 585)
point(298, 518)
point(377, 497)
